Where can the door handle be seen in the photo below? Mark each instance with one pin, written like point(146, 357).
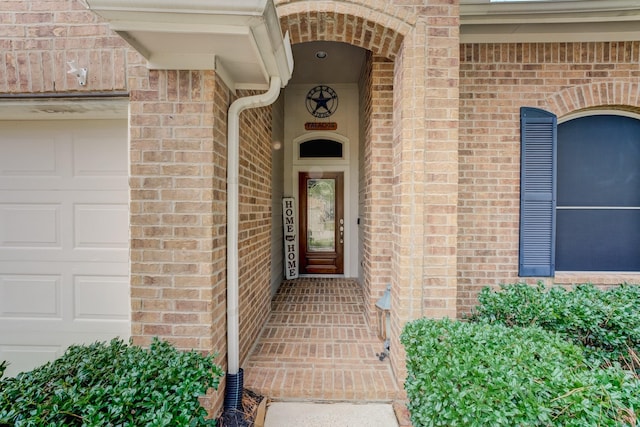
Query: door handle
point(341, 228)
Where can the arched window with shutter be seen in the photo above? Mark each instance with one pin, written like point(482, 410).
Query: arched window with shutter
point(579, 193)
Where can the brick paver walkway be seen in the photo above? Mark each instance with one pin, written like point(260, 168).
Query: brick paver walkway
point(317, 345)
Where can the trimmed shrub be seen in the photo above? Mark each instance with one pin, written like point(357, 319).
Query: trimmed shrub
point(112, 384)
point(605, 322)
point(481, 374)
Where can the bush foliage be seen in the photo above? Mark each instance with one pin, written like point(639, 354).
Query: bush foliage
point(112, 384)
point(605, 322)
point(529, 356)
point(481, 374)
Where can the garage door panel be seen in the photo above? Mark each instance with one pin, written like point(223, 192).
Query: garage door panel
point(89, 184)
point(30, 225)
point(99, 221)
point(28, 347)
point(101, 298)
point(38, 332)
point(30, 296)
point(88, 235)
point(64, 155)
point(64, 243)
point(67, 270)
point(66, 291)
point(40, 255)
point(69, 198)
point(25, 357)
point(96, 153)
point(37, 156)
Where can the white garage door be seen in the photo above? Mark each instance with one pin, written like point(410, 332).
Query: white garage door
point(63, 237)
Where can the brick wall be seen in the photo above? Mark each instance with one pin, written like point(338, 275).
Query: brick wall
point(177, 206)
point(376, 117)
point(450, 224)
point(364, 148)
point(178, 209)
point(425, 172)
point(178, 212)
point(254, 242)
point(495, 81)
point(277, 193)
point(422, 40)
point(38, 38)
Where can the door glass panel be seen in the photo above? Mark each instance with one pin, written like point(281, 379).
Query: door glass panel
point(321, 215)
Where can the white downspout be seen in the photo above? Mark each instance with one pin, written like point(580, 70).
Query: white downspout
point(233, 166)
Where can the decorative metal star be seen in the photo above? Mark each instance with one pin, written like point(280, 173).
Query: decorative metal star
point(325, 100)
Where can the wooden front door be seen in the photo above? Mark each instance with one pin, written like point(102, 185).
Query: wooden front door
point(321, 222)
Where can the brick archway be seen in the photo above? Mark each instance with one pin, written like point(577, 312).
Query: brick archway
point(362, 25)
point(381, 30)
point(410, 145)
point(591, 95)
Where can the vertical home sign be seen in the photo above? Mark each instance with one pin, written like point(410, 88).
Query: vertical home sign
point(290, 238)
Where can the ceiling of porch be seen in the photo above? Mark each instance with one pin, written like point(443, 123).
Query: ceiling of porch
point(342, 63)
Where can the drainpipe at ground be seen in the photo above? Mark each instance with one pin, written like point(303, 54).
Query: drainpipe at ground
point(233, 392)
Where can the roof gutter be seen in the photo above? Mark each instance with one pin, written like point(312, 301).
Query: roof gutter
point(539, 11)
point(500, 21)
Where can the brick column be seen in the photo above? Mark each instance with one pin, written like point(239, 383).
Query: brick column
point(425, 162)
point(178, 210)
point(376, 179)
point(178, 152)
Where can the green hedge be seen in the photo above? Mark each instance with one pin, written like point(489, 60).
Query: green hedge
point(112, 384)
point(605, 322)
point(480, 374)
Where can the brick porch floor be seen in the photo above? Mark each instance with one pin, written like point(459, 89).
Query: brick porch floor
point(317, 345)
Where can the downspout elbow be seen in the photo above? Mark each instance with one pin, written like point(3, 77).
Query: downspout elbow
point(237, 107)
point(234, 387)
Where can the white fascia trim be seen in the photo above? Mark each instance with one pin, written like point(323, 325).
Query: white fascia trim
point(255, 19)
point(549, 33)
point(179, 27)
point(486, 12)
point(232, 7)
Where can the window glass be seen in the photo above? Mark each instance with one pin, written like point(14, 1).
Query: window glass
point(599, 162)
point(598, 198)
point(321, 148)
point(598, 240)
point(321, 215)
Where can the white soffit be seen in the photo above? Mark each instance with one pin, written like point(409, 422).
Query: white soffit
point(240, 39)
point(502, 21)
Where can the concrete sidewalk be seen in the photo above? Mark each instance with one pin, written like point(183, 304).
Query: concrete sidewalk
point(298, 414)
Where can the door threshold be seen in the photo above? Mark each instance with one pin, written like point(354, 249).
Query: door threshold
point(322, 276)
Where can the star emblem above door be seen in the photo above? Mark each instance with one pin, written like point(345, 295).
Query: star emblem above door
point(322, 101)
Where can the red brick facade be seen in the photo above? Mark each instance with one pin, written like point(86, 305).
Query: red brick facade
point(178, 209)
point(38, 38)
point(495, 81)
point(376, 178)
point(439, 156)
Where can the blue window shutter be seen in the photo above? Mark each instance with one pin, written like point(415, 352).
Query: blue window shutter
point(538, 138)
